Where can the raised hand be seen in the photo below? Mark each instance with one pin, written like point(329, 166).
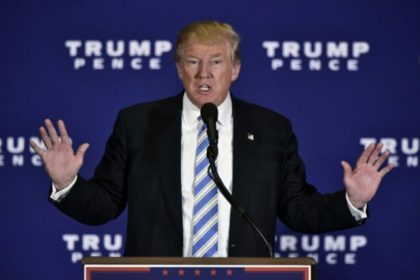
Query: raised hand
point(60, 161)
point(363, 181)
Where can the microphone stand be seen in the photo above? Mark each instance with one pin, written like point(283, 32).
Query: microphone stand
point(211, 155)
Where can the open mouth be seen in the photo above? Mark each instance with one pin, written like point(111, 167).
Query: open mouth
point(204, 88)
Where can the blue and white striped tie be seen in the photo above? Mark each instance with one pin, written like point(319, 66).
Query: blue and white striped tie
point(205, 218)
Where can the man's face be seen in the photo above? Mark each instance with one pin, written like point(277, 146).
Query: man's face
point(207, 70)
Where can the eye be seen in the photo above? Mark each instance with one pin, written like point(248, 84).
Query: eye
point(192, 62)
point(216, 61)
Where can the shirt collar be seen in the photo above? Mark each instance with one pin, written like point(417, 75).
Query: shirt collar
point(190, 112)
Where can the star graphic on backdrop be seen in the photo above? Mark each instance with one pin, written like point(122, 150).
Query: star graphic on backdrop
point(229, 272)
point(197, 272)
point(181, 272)
point(213, 272)
point(165, 272)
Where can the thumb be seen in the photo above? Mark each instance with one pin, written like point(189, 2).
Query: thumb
point(347, 168)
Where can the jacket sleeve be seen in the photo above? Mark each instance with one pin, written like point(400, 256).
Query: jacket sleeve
point(300, 206)
point(102, 198)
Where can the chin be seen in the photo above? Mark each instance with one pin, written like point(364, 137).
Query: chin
point(205, 99)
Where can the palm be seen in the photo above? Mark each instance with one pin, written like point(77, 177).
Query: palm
point(61, 163)
point(363, 182)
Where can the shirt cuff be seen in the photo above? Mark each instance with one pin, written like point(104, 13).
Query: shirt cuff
point(358, 214)
point(59, 195)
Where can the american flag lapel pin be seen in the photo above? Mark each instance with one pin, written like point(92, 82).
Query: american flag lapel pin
point(250, 136)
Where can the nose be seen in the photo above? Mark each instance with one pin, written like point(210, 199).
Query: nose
point(204, 71)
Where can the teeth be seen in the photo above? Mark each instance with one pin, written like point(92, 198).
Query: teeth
point(204, 88)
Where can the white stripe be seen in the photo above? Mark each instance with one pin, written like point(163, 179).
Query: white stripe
point(200, 176)
point(200, 157)
point(204, 229)
point(212, 241)
point(201, 138)
point(210, 204)
point(204, 191)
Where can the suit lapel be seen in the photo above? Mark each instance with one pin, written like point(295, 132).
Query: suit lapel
point(169, 157)
point(245, 149)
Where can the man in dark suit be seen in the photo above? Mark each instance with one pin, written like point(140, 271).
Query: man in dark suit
point(149, 164)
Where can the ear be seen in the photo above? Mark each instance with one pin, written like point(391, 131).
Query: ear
point(235, 71)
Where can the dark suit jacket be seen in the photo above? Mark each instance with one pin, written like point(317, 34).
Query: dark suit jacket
point(141, 167)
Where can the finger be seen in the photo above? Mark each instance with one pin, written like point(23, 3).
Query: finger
point(37, 148)
point(347, 168)
point(80, 154)
point(63, 132)
point(386, 169)
point(45, 137)
point(375, 153)
point(52, 132)
point(381, 160)
point(365, 155)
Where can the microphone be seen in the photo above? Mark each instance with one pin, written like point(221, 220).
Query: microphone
point(209, 116)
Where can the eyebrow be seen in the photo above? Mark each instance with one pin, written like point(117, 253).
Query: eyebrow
point(212, 56)
point(216, 55)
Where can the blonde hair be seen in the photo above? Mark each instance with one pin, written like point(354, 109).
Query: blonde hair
point(208, 32)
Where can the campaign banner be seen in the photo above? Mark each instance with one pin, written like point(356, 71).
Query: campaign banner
point(346, 74)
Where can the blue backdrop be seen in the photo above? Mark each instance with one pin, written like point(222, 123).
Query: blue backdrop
point(345, 72)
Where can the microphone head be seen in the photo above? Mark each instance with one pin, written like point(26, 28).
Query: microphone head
point(209, 111)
